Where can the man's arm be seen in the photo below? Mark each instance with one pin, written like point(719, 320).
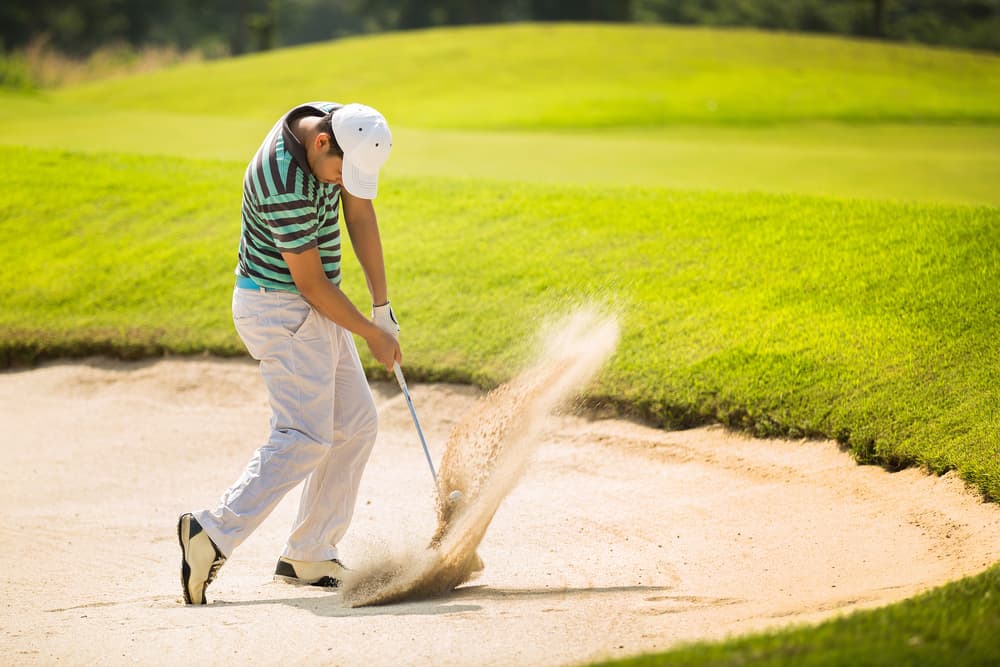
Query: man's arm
point(362, 227)
point(310, 279)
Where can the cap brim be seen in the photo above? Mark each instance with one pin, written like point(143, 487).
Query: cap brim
point(358, 182)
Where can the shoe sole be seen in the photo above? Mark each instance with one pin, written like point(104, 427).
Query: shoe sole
point(286, 572)
point(322, 582)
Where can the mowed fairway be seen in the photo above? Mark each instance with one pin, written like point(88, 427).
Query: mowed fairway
point(651, 106)
point(573, 76)
point(951, 163)
point(667, 174)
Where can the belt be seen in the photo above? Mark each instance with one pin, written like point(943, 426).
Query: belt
point(244, 282)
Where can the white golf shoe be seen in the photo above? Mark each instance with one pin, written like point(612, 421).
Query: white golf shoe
point(326, 573)
point(200, 559)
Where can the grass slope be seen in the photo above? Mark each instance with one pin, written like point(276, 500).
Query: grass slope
point(794, 316)
point(953, 626)
point(582, 76)
point(129, 264)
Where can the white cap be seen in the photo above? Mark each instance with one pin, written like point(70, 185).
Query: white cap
point(364, 136)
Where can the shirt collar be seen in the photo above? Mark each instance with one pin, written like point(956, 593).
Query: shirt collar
point(292, 143)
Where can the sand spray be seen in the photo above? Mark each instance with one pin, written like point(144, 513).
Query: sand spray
point(485, 456)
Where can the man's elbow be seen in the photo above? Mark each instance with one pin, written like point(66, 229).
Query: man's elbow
point(308, 287)
point(313, 288)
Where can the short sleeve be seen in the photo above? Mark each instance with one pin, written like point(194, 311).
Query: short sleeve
point(292, 220)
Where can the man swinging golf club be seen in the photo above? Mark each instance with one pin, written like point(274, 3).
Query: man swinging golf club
point(292, 316)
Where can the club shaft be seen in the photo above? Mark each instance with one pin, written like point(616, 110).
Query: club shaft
point(416, 422)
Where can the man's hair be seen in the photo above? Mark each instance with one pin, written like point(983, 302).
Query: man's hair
point(326, 127)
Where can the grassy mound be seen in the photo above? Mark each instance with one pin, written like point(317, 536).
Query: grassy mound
point(583, 76)
point(793, 316)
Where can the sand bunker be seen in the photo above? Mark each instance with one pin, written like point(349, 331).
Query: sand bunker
point(617, 538)
point(485, 456)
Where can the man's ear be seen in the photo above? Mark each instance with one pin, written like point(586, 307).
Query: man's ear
point(323, 142)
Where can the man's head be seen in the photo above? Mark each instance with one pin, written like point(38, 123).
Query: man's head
point(324, 154)
point(351, 145)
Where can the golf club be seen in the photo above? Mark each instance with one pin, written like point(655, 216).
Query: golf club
point(454, 495)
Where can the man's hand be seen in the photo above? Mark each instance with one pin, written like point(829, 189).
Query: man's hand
point(324, 296)
point(384, 347)
point(385, 319)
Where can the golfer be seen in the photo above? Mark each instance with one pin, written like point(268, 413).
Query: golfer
point(320, 159)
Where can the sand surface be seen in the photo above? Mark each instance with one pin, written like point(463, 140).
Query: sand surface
point(619, 538)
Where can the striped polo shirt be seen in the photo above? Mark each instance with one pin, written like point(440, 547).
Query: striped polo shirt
point(286, 209)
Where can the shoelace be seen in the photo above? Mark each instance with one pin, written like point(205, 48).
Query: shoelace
point(216, 564)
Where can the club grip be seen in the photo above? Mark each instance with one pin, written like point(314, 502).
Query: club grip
point(399, 375)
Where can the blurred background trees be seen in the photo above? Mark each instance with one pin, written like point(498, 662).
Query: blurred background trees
point(232, 27)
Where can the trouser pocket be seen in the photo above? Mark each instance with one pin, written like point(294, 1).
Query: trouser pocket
point(265, 321)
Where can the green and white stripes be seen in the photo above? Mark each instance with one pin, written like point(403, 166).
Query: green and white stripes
point(285, 209)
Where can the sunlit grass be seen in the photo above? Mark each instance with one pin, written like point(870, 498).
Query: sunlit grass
point(932, 163)
point(560, 76)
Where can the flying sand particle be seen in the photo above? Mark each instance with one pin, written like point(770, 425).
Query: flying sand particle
point(485, 456)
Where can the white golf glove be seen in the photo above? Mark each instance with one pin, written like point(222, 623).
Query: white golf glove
point(385, 319)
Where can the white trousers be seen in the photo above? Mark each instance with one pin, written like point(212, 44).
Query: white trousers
point(323, 426)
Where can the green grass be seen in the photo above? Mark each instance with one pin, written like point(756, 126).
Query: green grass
point(656, 106)
point(952, 626)
point(572, 76)
point(954, 164)
point(118, 254)
point(946, 164)
point(782, 315)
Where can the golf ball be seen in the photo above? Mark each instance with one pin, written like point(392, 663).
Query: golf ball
point(455, 496)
